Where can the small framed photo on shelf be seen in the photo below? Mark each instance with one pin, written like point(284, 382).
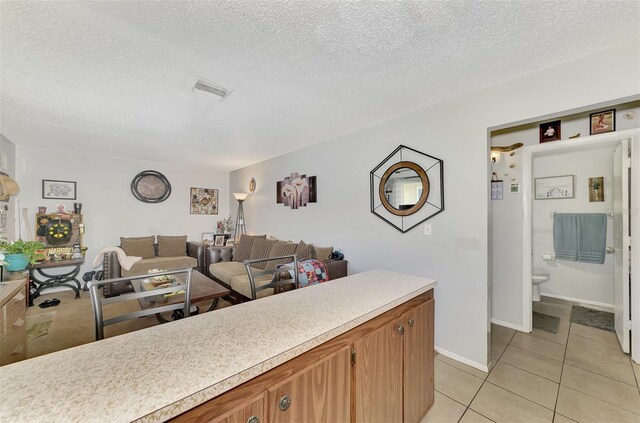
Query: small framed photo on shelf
point(229, 243)
point(58, 190)
point(219, 241)
point(602, 122)
point(554, 187)
point(550, 131)
point(208, 238)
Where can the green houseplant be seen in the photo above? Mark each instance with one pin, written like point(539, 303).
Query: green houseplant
point(19, 254)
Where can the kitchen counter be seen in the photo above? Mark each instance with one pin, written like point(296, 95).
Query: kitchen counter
point(160, 372)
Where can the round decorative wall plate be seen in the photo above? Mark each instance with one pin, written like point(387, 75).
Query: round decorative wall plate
point(150, 186)
point(252, 185)
point(58, 231)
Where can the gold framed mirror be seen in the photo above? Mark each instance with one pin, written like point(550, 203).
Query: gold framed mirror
point(404, 188)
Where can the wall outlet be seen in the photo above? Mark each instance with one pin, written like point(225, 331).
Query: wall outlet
point(427, 229)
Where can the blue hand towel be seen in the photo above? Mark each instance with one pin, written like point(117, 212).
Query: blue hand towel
point(565, 236)
point(592, 237)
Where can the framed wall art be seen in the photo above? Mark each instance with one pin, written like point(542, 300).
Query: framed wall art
point(550, 131)
point(554, 187)
point(58, 190)
point(296, 191)
point(596, 189)
point(204, 201)
point(602, 122)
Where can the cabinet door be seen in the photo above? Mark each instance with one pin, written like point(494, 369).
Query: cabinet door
point(378, 375)
point(319, 393)
point(418, 361)
point(251, 411)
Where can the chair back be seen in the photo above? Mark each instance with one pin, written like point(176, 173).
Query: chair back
point(275, 282)
point(179, 285)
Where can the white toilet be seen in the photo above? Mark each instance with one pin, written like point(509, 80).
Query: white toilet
point(539, 276)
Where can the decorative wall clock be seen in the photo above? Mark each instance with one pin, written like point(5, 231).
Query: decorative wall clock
point(150, 186)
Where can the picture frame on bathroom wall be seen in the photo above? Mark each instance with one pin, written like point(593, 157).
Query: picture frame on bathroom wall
point(602, 122)
point(554, 187)
point(596, 189)
point(550, 131)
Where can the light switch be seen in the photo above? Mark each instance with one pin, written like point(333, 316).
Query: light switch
point(427, 229)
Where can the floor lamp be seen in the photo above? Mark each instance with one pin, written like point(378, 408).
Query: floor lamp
point(240, 225)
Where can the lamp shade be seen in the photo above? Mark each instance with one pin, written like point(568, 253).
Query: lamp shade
point(240, 196)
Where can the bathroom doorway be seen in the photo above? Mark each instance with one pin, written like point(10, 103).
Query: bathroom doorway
point(615, 156)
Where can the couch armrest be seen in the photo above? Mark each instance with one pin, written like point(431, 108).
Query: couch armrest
point(112, 270)
point(196, 250)
point(336, 268)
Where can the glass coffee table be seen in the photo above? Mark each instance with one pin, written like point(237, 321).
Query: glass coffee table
point(202, 289)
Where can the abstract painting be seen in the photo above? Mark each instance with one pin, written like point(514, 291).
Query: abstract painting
point(296, 191)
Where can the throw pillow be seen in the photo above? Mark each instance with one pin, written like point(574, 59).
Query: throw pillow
point(321, 253)
point(141, 246)
point(280, 248)
point(260, 250)
point(303, 251)
point(172, 246)
point(243, 249)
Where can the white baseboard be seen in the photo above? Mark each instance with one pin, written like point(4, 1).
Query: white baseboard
point(461, 359)
point(592, 304)
point(507, 325)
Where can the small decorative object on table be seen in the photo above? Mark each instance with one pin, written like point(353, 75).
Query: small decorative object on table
point(224, 226)
point(229, 243)
point(207, 238)
point(219, 241)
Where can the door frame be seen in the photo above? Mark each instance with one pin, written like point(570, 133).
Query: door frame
point(586, 143)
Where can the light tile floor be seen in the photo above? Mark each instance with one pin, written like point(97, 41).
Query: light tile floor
point(579, 374)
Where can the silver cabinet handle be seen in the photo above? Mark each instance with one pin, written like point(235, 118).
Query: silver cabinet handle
point(253, 419)
point(285, 402)
point(401, 329)
point(411, 322)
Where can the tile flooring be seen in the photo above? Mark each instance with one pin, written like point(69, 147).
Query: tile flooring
point(576, 375)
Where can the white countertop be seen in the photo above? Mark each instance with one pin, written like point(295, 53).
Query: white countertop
point(157, 373)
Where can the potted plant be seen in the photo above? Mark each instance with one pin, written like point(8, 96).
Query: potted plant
point(19, 254)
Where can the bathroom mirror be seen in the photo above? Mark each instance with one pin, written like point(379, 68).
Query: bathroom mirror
point(404, 188)
point(407, 188)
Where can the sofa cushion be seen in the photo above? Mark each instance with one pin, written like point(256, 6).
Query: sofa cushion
point(303, 251)
point(172, 246)
point(165, 263)
point(320, 253)
point(280, 248)
point(243, 250)
point(242, 285)
point(226, 270)
point(260, 250)
point(141, 246)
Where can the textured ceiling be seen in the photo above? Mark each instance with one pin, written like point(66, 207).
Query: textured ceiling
point(115, 78)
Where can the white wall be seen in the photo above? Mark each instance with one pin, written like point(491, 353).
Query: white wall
point(506, 233)
point(588, 282)
point(8, 149)
point(103, 187)
point(457, 253)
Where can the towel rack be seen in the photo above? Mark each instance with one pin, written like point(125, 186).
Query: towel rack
point(610, 213)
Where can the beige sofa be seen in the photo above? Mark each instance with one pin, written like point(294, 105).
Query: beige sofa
point(228, 265)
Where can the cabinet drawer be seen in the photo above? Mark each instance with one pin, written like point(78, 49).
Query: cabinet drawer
point(14, 308)
point(14, 345)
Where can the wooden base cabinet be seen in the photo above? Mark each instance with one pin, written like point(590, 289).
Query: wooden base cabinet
point(380, 371)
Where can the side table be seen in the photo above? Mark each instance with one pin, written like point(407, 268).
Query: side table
point(42, 280)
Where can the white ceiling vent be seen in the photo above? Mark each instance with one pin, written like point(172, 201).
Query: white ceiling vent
point(203, 86)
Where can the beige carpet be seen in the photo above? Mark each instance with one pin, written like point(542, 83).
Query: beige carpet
point(39, 324)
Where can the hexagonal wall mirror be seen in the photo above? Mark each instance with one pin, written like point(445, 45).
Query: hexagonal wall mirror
point(407, 188)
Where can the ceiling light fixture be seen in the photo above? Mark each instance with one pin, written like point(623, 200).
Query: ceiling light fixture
point(210, 88)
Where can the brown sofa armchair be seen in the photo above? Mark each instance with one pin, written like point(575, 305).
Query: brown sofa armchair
point(167, 253)
point(228, 265)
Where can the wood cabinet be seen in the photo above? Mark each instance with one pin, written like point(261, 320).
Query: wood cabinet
point(319, 393)
point(380, 371)
point(13, 333)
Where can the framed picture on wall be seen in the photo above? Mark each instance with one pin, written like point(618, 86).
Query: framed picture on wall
point(550, 131)
point(554, 187)
point(58, 190)
point(204, 201)
point(602, 122)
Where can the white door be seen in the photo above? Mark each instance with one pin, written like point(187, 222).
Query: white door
point(621, 242)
